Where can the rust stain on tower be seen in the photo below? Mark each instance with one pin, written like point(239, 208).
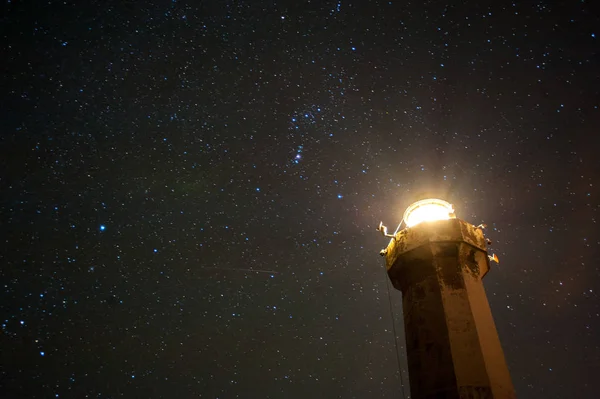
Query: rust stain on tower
point(452, 344)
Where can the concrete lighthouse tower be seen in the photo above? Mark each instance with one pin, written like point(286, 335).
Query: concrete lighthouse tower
point(453, 348)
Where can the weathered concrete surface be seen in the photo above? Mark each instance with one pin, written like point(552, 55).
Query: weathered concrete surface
point(452, 343)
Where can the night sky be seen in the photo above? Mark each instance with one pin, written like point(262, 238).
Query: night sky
point(190, 190)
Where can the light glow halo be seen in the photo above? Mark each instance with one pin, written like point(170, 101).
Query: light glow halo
point(428, 210)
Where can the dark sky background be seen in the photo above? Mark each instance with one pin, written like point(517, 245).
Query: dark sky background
point(190, 190)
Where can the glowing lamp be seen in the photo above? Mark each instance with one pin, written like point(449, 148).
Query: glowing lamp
point(428, 210)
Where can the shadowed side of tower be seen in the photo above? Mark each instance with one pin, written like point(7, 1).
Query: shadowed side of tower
point(452, 344)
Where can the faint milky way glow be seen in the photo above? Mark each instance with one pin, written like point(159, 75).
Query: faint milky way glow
point(171, 165)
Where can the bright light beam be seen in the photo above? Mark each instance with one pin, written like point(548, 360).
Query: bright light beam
point(428, 210)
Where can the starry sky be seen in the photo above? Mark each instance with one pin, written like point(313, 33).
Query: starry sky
point(190, 190)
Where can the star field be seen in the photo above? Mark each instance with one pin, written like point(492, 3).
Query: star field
point(190, 190)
